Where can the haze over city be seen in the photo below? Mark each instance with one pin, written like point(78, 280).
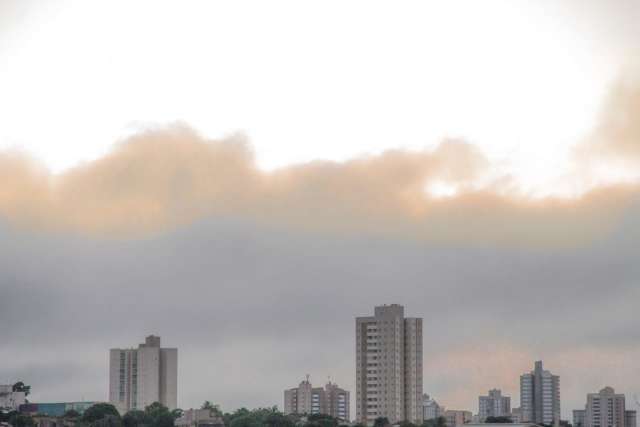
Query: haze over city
point(246, 178)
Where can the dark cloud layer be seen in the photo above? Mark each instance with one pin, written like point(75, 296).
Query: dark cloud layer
point(253, 309)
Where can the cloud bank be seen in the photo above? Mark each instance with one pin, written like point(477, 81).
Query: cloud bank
point(257, 276)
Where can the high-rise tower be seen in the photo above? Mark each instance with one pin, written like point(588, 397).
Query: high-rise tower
point(140, 376)
point(389, 366)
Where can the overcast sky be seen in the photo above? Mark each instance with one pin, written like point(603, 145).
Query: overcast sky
point(477, 164)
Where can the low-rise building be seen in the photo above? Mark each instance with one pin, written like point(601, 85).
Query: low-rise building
point(578, 417)
point(430, 408)
point(55, 409)
point(630, 418)
point(199, 418)
point(516, 415)
point(457, 418)
point(11, 400)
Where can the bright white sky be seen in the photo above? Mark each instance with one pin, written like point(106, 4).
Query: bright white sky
point(304, 80)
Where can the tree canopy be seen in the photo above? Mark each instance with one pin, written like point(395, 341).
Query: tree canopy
point(99, 411)
point(498, 420)
point(381, 422)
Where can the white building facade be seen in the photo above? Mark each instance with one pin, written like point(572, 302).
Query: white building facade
point(141, 376)
point(430, 408)
point(11, 400)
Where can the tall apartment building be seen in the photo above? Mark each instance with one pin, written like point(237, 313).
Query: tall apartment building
point(605, 409)
point(306, 399)
point(494, 405)
point(389, 366)
point(540, 396)
point(430, 408)
point(140, 376)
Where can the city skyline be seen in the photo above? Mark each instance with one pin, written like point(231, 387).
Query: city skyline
point(246, 178)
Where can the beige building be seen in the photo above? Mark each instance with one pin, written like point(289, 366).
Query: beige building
point(306, 400)
point(457, 418)
point(140, 376)
point(199, 418)
point(389, 366)
point(605, 409)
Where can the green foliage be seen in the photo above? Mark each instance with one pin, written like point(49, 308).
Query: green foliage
point(158, 415)
point(71, 413)
point(99, 411)
point(407, 424)
point(435, 422)
point(498, 420)
point(381, 422)
point(321, 420)
point(108, 420)
point(134, 418)
point(19, 420)
point(260, 417)
point(177, 413)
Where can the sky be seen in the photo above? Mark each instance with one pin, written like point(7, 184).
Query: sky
point(245, 178)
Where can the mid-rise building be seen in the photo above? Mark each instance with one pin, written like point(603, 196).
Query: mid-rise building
point(430, 408)
point(605, 409)
point(494, 405)
point(140, 376)
point(11, 400)
point(457, 418)
point(389, 366)
point(578, 417)
point(308, 400)
point(540, 396)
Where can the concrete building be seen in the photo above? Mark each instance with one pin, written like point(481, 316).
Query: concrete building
point(540, 396)
point(199, 418)
point(605, 409)
point(457, 418)
point(578, 417)
point(140, 376)
point(494, 405)
point(11, 400)
point(516, 415)
point(430, 408)
point(307, 400)
point(389, 366)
